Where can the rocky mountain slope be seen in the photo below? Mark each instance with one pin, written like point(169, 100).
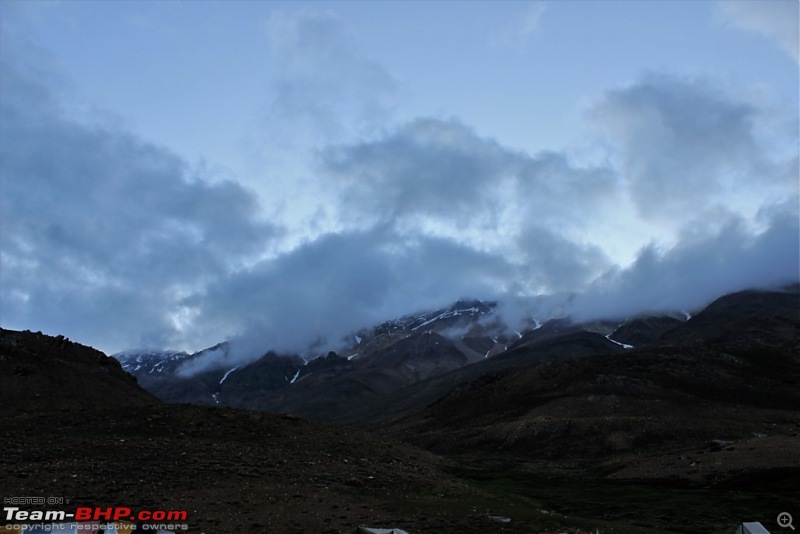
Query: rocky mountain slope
point(382, 358)
point(711, 399)
point(399, 367)
point(655, 424)
point(40, 372)
point(75, 427)
point(708, 412)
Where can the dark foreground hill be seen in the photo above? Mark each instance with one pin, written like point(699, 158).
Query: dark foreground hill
point(692, 430)
point(729, 375)
point(712, 403)
point(91, 437)
point(233, 471)
point(40, 372)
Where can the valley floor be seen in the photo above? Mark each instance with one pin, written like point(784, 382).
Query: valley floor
point(237, 471)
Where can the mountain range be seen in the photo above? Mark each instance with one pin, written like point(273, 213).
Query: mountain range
point(440, 421)
point(397, 367)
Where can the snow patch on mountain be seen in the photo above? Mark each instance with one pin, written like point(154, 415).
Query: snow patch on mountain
point(226, 374)
point(149, 360)
point(623, 345)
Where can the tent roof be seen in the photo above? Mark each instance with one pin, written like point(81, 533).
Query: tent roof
point(752, 528)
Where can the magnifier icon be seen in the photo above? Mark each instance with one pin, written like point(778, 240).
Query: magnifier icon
point(785, 520)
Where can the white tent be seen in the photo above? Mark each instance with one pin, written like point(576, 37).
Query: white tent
point(373, 530)
point(752, 528)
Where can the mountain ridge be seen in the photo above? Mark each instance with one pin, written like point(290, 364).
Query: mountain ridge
point(700, 416)
point(377, 363)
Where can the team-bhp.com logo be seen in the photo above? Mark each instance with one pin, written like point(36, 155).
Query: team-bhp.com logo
point(118, 519)
point(87, 513)
point(96, 513)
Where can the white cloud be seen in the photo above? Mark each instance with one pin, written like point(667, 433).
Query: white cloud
point(341, 282)
point(695, 271)
point(777, 20)
point(525, 24)
point(442, 171)
point(321, 87)
point(689, 150)
point(115, 241)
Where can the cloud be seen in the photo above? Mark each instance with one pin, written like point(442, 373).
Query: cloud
point(777, 20)
point(412, 203)
point(438, 177)
point(525, 24)
point(687, 148)
point(340, 283)
point(441, 170)
point(694, 272)
point(426, 167)
point(115, 241)
point(554, 264)
point(321, 87)
point(103, 234)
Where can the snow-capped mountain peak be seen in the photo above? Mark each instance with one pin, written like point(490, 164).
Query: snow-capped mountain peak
point(149, 360)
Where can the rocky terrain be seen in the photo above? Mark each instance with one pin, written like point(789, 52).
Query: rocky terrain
point(373, 362)
point(710, 409)
point(40, 373)
point(231, 470)
point(653, 424)
point(728, 373)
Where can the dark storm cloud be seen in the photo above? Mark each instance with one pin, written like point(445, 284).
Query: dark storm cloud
point(103, 234)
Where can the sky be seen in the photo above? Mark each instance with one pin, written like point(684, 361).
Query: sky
point(175, 174)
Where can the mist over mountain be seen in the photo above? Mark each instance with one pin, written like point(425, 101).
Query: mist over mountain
point(536, 429)
point(323, 243)
point(685, 190)
point(400, 365)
